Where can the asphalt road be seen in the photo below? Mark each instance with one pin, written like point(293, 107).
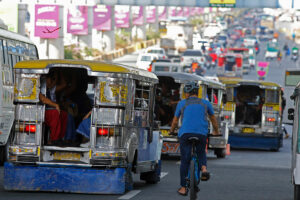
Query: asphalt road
point(242, 175)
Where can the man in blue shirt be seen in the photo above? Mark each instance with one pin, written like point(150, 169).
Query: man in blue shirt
point(194, 113)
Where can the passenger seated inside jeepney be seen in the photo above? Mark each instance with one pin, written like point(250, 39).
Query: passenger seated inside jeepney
point(73, 102)
point(249, 101)
point(229, 63)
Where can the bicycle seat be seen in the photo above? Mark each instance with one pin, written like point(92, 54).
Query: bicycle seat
point(193, 139)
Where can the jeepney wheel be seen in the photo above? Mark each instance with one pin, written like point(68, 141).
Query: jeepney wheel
point(220, 153)
point(152, 177)
point(296, 192)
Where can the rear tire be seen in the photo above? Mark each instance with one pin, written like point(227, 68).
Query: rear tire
point(4, 151)
point(152, 177)
point(296, 192)
point(193, 183)
point(220, 153)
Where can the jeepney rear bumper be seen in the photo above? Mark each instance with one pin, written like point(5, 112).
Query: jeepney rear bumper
point(64, 179)
point(264, 140)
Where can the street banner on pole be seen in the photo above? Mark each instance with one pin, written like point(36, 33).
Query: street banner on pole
point(151, 14)
point(102, 18)
point(172, 11)
point(179, 11)
point(137, 15)
point(162, 13)
point(77, 20)
point(46, 23)
point(122, 16)
point(186, 12)
point(262, 70)
point(193, 11)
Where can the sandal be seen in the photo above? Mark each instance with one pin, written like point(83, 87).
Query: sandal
point(183, 194)
point(205, 176)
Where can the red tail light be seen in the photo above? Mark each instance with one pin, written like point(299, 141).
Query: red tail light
point(103, 131)
point(226, 116)
point(30, 128)
point(271, 119)
point(164, 57)
point(150, 68)
point(181, 59)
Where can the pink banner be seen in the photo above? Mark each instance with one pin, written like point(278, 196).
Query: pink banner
point(186, 12)
point(122, 16)
point(193, 11)
point(172, 11)
point(77, 20)
point(151, 14)
point(179, 11)
point(137, 15)
point(46, 23)
point(102, 18)
point(162, 13)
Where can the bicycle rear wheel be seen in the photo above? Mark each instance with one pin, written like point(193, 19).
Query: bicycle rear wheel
point(193, 181)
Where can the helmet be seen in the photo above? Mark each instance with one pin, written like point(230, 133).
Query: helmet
point(190, 86)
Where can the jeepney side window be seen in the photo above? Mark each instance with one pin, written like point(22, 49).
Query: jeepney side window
point(141, 104)
point(272, 96)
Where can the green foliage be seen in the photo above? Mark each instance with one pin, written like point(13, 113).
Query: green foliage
point(196, 22)
point(151, 34)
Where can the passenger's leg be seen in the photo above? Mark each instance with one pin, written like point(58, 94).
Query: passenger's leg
point(63, 120)
point(52, 120)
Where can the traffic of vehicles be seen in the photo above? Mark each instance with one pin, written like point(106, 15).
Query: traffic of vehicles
point(131, 108)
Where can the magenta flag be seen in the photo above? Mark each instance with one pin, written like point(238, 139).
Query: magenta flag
point(200, 11)
point(137, 15)
point(162, 13)
point(186, 12)
point(122, 16)
point(102, 18)
point(77, 20)
point(46, 24)
point(193, 11)
point(151, 14)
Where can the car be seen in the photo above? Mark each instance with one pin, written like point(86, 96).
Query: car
point(191, 55)
point(166, 67)
point(144, 60)
point(157, 51)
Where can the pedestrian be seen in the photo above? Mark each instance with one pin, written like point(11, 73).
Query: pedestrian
point(283, 104)
point(294, 36)
point(279, 56)
point(194, 112)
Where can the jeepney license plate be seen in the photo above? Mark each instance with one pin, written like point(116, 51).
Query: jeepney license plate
point(165, 132)
point(248, 130)
point(66, 156)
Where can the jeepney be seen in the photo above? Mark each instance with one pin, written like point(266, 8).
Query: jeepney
point(272, 50)
point(253, 111)
point(123, 136)
point(292, 79)
point(230, 65)
point(170, 88)
point(246, 57)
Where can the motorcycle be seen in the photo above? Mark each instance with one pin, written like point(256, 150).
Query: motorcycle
point(295, 54)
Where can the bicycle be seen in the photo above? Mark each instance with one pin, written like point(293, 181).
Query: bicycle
point(193, 178)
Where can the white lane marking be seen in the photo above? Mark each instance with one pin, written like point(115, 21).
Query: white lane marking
point(178, 163)
point(163, 174)
point(130, 194)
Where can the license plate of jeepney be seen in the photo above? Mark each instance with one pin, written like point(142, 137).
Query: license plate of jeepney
point(164, 132)
point(248, 130)
point(69, 156)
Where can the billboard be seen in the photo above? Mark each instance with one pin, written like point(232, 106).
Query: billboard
point(102, 18)
point(9, 15)
point(46, 24)
point(77, 20)
point(122, 16)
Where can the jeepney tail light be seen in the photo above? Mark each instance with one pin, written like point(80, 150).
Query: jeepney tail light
point(150, 68)
point(181, 59)
point(30, 128)
point(227, 117)
point(271, 119)
point(103, 131)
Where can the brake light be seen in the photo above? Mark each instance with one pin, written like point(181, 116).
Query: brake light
point(181, 59)
point(271, 119)
point(30, 128)
point(164, 57)
point(226, 116)
point(150, 68)
point(103, 131)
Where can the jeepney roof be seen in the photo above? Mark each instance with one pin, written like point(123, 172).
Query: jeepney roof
point(181, 77)
point(262, 84)
point(94, 68)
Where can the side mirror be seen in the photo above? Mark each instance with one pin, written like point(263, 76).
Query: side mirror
point(291, 113)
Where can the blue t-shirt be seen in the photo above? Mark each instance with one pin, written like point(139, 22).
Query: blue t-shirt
point(195, 119)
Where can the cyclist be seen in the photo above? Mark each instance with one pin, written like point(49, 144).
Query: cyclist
point(194, 112)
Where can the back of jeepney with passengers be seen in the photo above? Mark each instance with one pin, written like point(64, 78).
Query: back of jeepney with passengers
point(81, 113)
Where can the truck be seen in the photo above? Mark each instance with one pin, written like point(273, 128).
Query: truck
point(178, 38)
